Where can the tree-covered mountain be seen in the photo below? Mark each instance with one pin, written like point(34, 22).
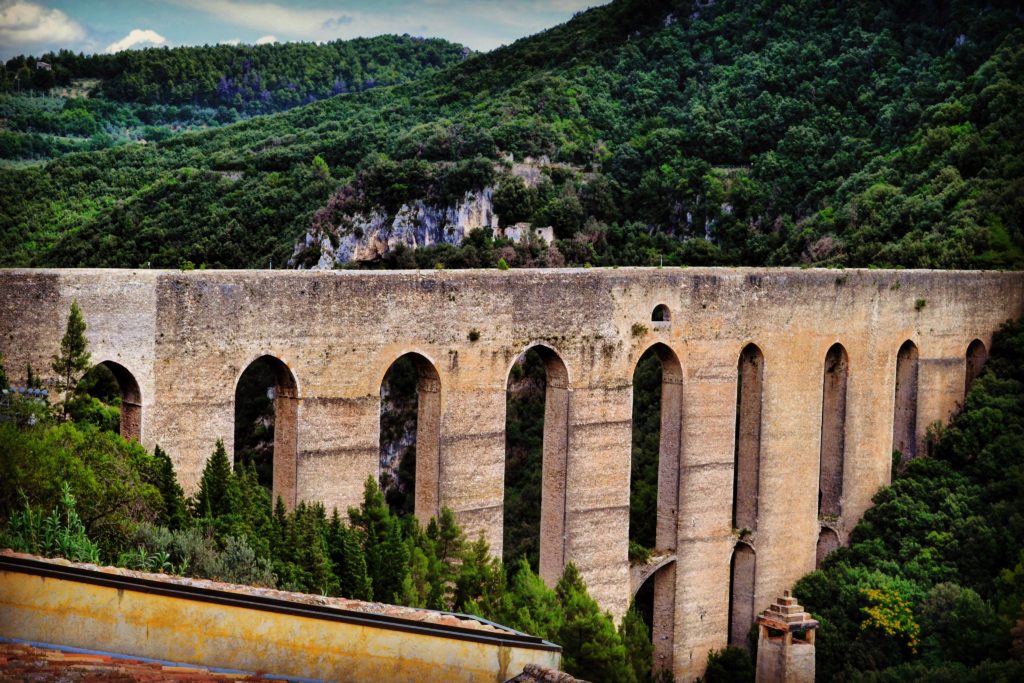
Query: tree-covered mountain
point(848, 134)
point(65, 102)
point(248, 78)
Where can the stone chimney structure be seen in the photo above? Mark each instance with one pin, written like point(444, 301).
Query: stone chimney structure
point(785, 645)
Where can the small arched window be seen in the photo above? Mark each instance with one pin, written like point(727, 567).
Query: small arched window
point(661, 314)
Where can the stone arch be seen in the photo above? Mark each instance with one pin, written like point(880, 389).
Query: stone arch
point(828, 540)
point(833, 432)
point(427, 477)
point(285, 395)
point(131, 400)
point(747, 454)
point(554, 462)
point(904, 423)
point(977, 354)
point(667, 506)
point(742, 573)
point(661, 314)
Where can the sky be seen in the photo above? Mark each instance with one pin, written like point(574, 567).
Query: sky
point(34, 27)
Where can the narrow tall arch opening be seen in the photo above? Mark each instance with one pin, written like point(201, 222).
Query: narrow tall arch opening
point(656, 613)
point(904, 423)
point(747, 456)
point(654, 484)
point(828, 540)
point(410, 437)
point(536, 459)
point(833, 432)
point(977, 354)
point(266, 425)
point(116, 388)
point(742, 571)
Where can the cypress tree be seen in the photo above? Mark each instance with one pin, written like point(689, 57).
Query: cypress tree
point(72, 362)
point(4, 383)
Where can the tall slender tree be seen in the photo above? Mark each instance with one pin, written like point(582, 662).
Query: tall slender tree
point(71, 364)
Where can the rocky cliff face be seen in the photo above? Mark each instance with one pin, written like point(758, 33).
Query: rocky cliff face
point(368, 236)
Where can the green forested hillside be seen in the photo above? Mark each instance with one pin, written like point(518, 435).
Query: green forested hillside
point(853, 134)
point(248, 78)
point(90, 102)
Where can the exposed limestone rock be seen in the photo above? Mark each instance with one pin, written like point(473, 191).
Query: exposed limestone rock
point(369, 236)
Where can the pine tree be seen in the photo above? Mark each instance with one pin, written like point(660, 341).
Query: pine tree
point(311, 550)
point(529, 605)
point(416, 586)
point(71, 364)
point(591, 647)
point(346, 553)
point(278, 533)
point(480, 579)
point(174, 514)
point(355, 581)
point(218, 490)
point(637, 642)
point(254, 509)
point(394, 565)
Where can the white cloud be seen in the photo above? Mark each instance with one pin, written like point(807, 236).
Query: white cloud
point(231, 41)
point(137, 37)
point(266, 40)
point(27, 23)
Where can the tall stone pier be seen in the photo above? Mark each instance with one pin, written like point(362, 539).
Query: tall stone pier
point(785, 392)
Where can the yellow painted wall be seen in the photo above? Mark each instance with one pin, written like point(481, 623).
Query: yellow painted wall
point(76, 614)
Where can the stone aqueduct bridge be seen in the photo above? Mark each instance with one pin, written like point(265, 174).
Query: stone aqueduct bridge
point(756, 474)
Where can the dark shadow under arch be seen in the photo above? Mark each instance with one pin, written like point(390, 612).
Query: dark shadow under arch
point(833, 431)
point(747, 456)
point(267, 393)
point(904, 423)
point(521, 465)
point(413, 373)
point(131, 400)
point(977, 354)
point(657, 387)
point(742, 573)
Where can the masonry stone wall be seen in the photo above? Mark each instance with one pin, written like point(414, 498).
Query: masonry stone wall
point(187, 337)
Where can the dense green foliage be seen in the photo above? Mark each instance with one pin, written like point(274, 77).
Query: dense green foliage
point(865, 133)
point(932, 585)
point(92, 102)
point(245, 78)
